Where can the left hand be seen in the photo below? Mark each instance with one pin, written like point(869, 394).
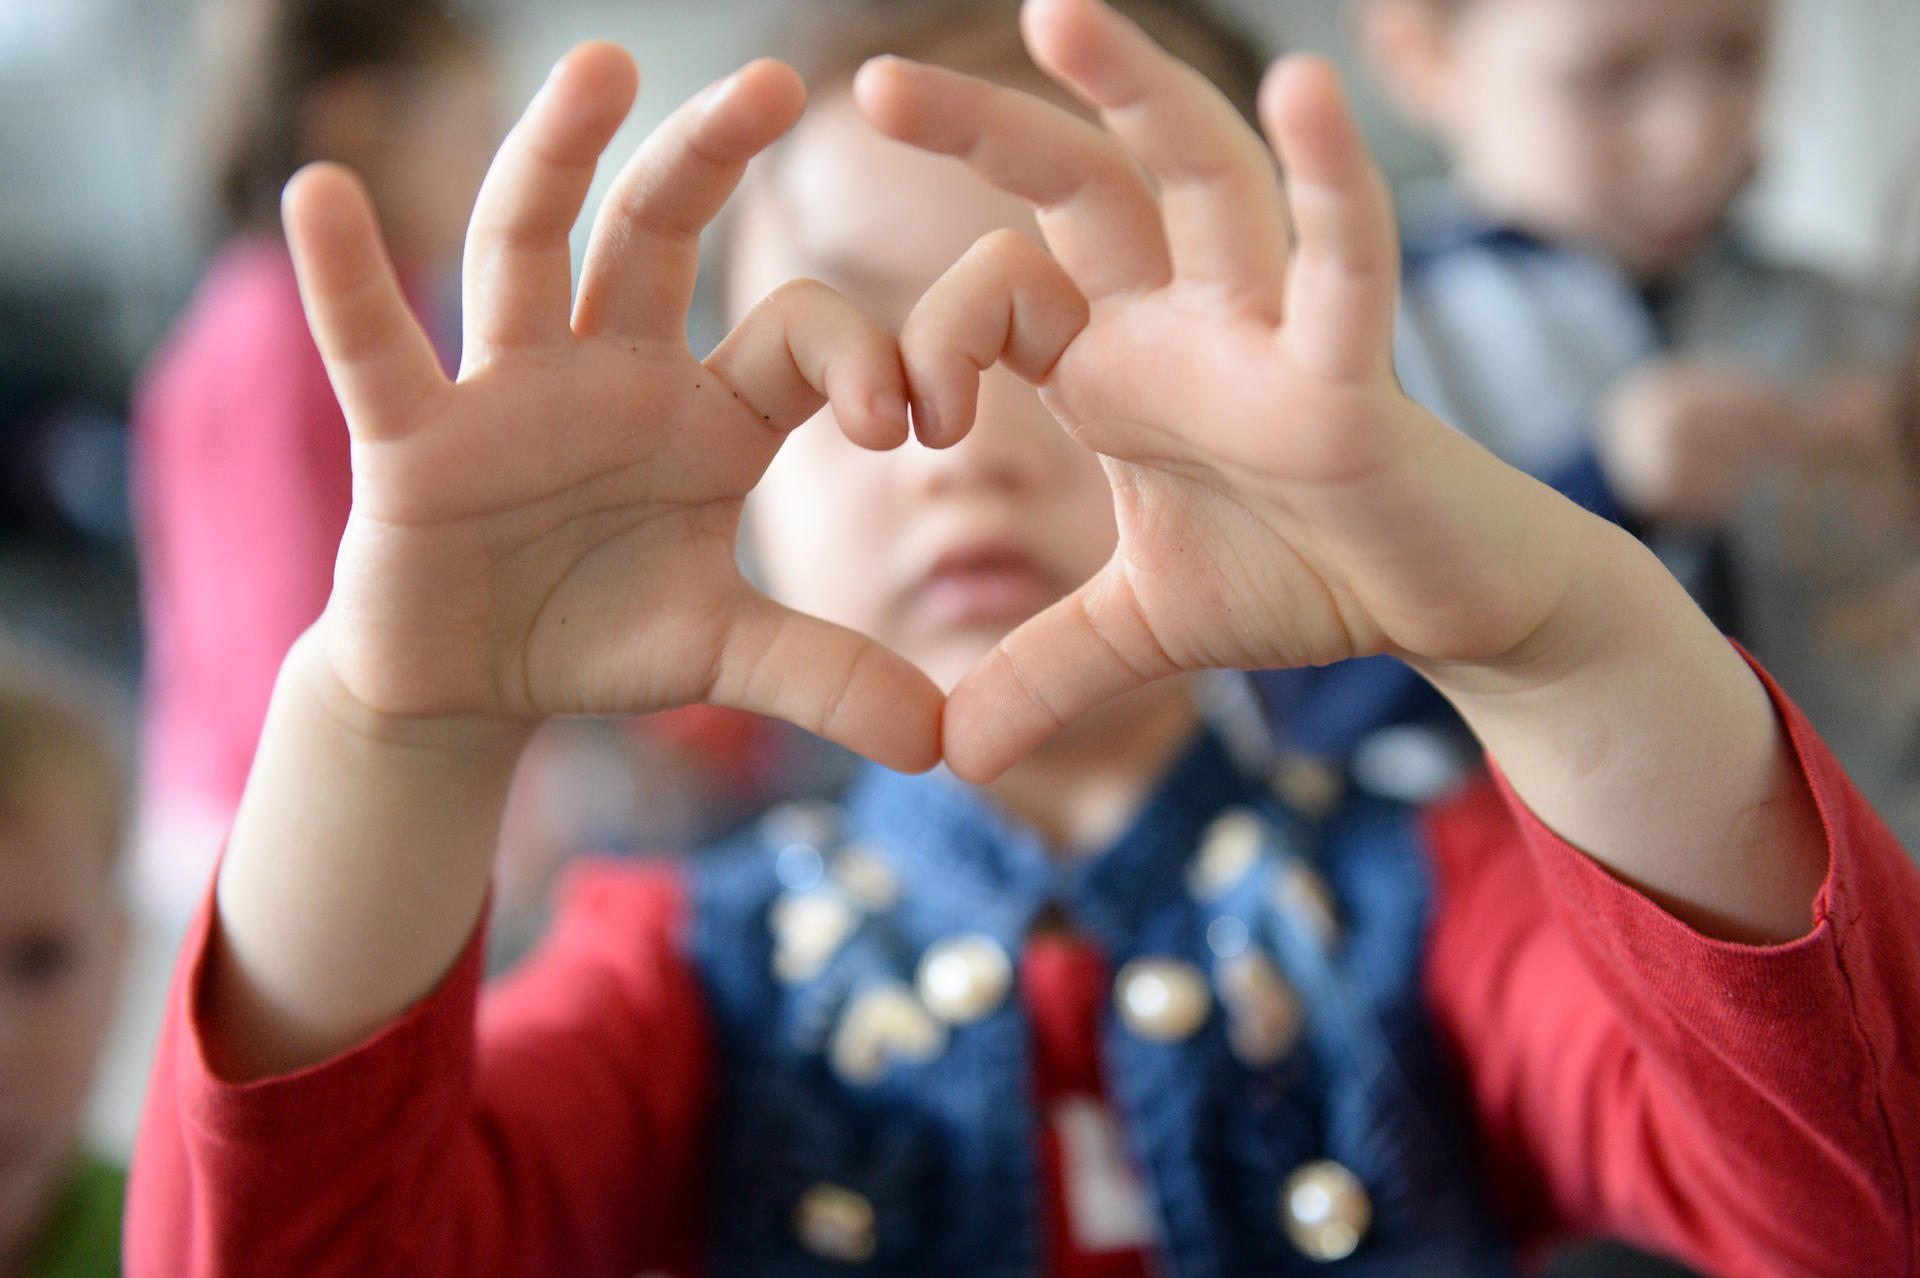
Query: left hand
point(1226, 349)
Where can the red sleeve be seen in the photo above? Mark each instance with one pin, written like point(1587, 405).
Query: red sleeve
point(1753, 1111)
point(566, 1136)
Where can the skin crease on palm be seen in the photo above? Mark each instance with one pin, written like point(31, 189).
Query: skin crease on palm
point(1627, 125)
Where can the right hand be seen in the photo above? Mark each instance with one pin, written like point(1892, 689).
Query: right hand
point(1680, 439)
point(553, 531)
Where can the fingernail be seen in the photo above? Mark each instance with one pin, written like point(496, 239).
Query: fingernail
point(890, 406)
point(926, 422)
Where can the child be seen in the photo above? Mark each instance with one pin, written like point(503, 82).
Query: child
point(1578, 300)
point(63, 940)
point(1117, 1007)
point(240, 451)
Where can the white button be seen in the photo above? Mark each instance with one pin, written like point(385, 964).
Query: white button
point(1409, 764)
point(798, 867)
point(1227, 851)
point(881, 1025)
point(807, 929)
point(836, 1223)
point(1163, 1000)
point(963, 978)
point(1227, 936)
point(1300, 891)
point(866, 877)
point(811, 822)
point(1325, 1210)
point(1264, 1013)
point(1307, 785)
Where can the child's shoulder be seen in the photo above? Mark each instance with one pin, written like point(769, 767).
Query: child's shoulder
point(244, 321)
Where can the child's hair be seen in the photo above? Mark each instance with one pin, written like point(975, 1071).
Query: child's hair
point(268, 58)
point(828, 40)
point(56, 717)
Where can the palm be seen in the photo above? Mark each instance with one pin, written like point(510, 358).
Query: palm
point(1279, 501)
point(553, 532)
point(1237, 475)
point(539, 552)
point(1213, 577)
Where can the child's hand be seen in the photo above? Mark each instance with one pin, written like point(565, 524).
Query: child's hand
point(1681, 439)
point(553, 532)
point(1280, 501)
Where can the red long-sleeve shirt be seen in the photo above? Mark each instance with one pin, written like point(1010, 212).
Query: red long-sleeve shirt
point(1753, 1110)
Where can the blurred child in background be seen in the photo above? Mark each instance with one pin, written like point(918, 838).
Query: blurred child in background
point(242, 482)
point(63, 943)
point(1578, 298)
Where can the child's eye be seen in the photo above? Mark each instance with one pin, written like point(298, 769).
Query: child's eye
point(1738, 57)
point(39, 961)
point(1610, 82)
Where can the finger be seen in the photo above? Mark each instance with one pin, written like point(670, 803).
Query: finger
point(804, 346)
point(382, 366)
point(1345, 275)
point(1005, 302)
point(831, 681)
point(645, 249)
point(1091, 646)
point(1219, 192)
point(1096, 210)
point(517, 276)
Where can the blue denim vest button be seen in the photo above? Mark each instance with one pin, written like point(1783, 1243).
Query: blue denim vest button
point(883, 1025)
point(835, 1223)
point(1162, 1000)
point(962, 978)
point(1264, 1013)
point(1325, 1210)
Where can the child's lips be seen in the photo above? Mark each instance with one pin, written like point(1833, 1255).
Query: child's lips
point(984, 584)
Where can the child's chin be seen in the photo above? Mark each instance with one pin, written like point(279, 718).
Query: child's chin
point(947, 659)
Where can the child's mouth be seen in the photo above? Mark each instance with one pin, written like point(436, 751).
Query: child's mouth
point(985, 584)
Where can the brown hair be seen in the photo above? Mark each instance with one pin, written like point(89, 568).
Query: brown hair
point(268, 56)
point(828, 40)
point(55, 716)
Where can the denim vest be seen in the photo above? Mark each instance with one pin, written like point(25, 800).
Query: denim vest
point(927, 1155)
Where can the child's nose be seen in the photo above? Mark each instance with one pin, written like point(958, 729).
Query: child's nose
point(1697, 132)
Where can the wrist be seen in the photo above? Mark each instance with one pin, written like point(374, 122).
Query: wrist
point(310, 675)
point(1616, 597)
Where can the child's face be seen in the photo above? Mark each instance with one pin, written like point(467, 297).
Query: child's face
point(935, 553)
point(1627, 125)
point(62, 937)
point(422, 139)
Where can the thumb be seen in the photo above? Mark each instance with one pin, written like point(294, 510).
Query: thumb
point(1091, 646)
point(831, 681)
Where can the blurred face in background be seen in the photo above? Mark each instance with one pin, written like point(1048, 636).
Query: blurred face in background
point(1628, 126)
point(62, 942)
point(936, 553)
point(421, 138)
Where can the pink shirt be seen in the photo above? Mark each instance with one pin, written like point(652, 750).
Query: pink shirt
point(241, 489)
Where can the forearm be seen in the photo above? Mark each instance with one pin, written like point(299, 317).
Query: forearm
point(1632, 728)
point(355, 874)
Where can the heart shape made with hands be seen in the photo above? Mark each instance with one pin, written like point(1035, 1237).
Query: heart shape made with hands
point(524, 543)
